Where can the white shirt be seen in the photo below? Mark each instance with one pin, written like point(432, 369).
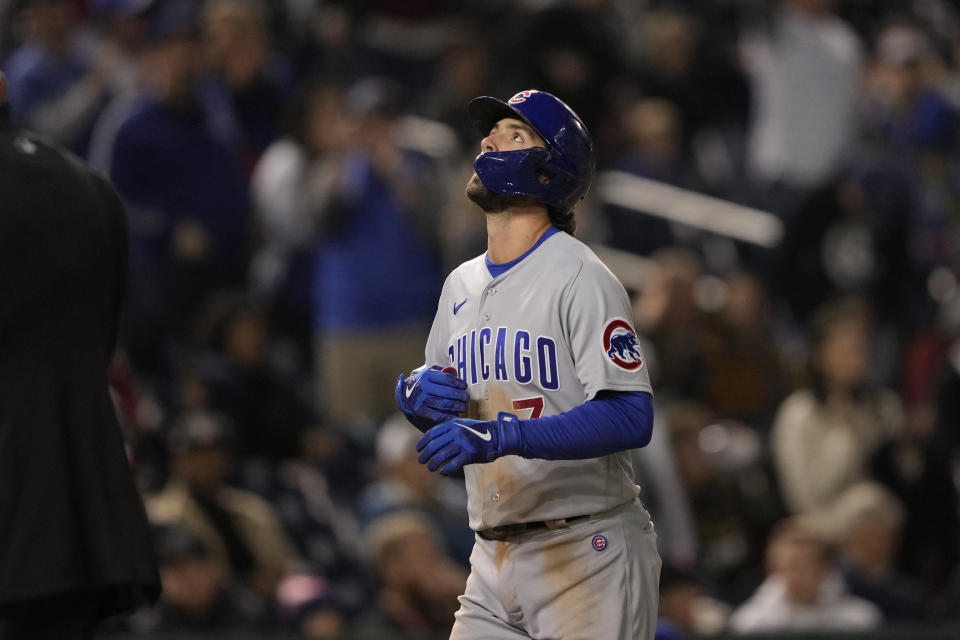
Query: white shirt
point(769, 610)
point(805, 75)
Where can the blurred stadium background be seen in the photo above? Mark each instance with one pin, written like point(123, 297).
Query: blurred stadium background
point(778, 188)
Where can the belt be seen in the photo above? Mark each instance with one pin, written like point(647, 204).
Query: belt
point(511, 530)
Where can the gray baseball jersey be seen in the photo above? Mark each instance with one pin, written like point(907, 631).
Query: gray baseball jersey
point(538, 340)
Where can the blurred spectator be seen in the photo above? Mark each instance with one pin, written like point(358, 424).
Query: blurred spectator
point(125, 28)
point(730, 494)
point(744, 375)
point(315, 496)
point(654, 134)
point(652, 139)
point(246, 384)
point(403, 484)
point(418, 582)
point(685, 610)
point(377, 264)
point(919, 467)
point(123, 31)
point(803, 592)
point(913, 126)
point(344, 179)
point(198, 594)
point(323, 39)
point(804, 72)
point(856, 236)
point(59, 77)
point(289, 188)
point(186, 194)
point(825, 434)
point(307, 606)
point(240, 53)
point(868, 553)
point(686, 63)
point(118, 21)
point(906, 116)
point(241, 530)
point(667, 313)
point(168, 162)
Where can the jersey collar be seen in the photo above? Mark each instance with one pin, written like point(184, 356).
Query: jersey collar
point(497, 270)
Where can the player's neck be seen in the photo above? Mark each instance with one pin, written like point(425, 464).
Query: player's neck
point(511, 233)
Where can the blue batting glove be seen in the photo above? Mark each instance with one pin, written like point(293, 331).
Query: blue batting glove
point(429, 395)
point(461, 441)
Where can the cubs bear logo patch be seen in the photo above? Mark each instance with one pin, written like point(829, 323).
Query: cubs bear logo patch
point(621, 345)
point(599, 543)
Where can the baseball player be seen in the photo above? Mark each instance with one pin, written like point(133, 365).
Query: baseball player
point(535, 385)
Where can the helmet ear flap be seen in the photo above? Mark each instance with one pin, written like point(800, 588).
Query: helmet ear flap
point(545, 176)
point(554, 178)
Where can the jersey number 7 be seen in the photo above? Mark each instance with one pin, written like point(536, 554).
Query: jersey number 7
point(535, 404)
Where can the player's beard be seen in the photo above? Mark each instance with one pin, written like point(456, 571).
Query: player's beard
point(490, 201)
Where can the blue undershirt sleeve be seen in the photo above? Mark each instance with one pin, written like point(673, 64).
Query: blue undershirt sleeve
point(613, 421)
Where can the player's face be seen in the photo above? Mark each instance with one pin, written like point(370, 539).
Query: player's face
point(508, 134)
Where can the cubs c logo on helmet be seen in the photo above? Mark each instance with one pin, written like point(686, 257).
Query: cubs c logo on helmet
point(520, 97)
point(621, 345)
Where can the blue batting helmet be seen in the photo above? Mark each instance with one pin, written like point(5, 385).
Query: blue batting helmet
point(557, 176)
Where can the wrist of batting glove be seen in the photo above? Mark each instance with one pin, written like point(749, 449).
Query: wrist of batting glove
point(430, 395)
point(509, 435)
point(450, 445)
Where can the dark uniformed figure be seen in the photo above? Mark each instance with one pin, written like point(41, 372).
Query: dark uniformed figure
point(74, 540)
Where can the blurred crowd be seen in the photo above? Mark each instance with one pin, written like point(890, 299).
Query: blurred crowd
point(293, 173)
